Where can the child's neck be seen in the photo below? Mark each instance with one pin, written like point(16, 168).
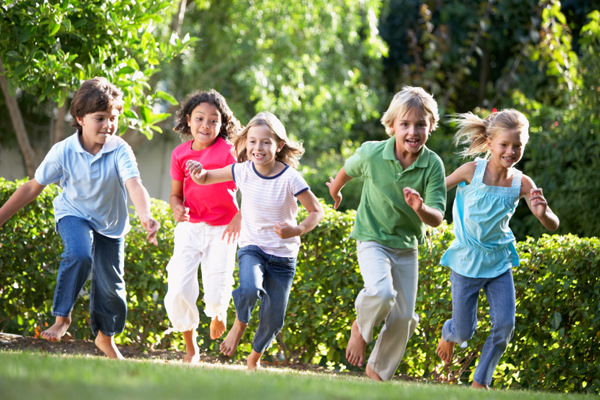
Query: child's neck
point(269, 169)
point(497, 175)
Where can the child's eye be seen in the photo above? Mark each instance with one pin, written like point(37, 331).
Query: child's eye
point(214, 122)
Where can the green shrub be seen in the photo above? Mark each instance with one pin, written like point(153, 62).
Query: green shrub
point(555, 346)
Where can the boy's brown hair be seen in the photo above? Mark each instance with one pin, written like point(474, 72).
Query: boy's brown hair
point(96, 94)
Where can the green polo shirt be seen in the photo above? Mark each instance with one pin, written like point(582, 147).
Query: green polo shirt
point(383, 216)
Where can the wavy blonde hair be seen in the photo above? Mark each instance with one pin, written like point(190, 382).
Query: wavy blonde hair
point(415, 99)
point(289, 154)
point(474, 131)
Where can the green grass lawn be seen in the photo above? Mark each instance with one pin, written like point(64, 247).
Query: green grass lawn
point(43, 376)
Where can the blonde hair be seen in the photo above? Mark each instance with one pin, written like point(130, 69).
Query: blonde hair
point(411, 98)
point(474, 131)
point(289, 154)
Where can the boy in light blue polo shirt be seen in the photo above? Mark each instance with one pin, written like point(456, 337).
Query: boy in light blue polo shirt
point(404, 190)
point(93, 167)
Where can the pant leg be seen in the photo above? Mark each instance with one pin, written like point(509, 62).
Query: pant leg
point(77, 236)
point(465, 295)
point(500, 292)
point(278, 279)
point(401, 321)
point(251, 273)
point(218, 262)
point(182, 277)
point(108, 296)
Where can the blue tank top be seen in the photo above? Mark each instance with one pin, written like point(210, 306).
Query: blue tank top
point(484, 245)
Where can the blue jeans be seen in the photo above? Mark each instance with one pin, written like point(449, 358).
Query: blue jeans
point(500, 293)
point(87, 251)
point(268, 278)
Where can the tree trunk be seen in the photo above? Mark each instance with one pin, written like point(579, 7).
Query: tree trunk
point(29, 155)
point(59, 128)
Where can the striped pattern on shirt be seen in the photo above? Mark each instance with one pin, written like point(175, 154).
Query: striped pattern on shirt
point(266, 201)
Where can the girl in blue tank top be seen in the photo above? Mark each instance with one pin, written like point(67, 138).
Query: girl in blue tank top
point(483, 253)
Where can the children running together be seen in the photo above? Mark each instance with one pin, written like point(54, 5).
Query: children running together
point(404, 191)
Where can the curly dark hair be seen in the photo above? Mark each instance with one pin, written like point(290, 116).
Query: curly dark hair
point(229, 124)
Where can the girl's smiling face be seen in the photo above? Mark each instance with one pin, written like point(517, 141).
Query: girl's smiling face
point(205, 125)
point(506, 148)
point(262, 145)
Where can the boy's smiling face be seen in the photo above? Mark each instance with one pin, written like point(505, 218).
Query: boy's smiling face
point(411, 131)
point(97, 128)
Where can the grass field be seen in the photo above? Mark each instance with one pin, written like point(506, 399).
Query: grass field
point(42, 376)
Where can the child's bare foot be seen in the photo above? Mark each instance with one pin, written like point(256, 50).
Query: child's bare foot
point(56, 331)
point(372, 374)
point(192, 352)
point(477, 385)
point(217, 328)
point(355, 352)
point(445, 350)
point(108, 346)
point(253, 361)
point(232, 340)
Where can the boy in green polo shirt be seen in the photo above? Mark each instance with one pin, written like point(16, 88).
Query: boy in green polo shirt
point(404, 189)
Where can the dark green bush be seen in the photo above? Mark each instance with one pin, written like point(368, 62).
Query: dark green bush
point(555, 346)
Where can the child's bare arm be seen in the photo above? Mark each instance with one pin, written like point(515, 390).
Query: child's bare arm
point(336, 185)
point(464, 173)
point(538, 204)
point(24, 195)
point(205, 177)
point(180, 212)
point(232, 230)
point(429, 215)
point(141, 201)
point(315, 215)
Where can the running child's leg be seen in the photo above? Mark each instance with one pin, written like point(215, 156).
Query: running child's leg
point(278, 278)
point(500, 293)
point(251, 270)
point(108, 296)
point(401, 321)
point(459, 329)
point(218, 263)
point(75, 266)
point(183, 287)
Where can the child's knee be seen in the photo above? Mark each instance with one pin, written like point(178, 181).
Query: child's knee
point(247, 293)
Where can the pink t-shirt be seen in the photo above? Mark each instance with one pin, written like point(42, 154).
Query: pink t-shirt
point(214, 204)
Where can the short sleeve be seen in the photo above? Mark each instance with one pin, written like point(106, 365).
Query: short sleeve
point(435, 192)
point(298, 183)
point(176, 172)
point(127, 163)
point(355, 165)
point(51, 169)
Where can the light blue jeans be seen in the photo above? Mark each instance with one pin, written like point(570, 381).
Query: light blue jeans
point(268, 278)
point(87, 251)
point(500, 293)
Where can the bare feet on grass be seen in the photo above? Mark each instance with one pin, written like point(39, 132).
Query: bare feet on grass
point(445, 350)
point(355, 352)
point(253, 361)
point(373, 375)
point(477, 385)
point(56, 331)
point(232, 340)
point(192, 352)
point(217, 328)
point(108, 346)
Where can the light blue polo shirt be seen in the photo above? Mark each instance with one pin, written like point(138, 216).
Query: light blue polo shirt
point(93, 186)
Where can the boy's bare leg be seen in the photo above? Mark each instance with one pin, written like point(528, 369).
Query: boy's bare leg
point(445, 350)
point(192, 352)
point(232, 340)
point(108, 346)
point(217, 328)
point(355, 352)
point(253, 361)
point(56, 331)
point(372, 374)
point(477, 385)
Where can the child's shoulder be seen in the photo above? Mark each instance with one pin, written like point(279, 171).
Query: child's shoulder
point(527, 184)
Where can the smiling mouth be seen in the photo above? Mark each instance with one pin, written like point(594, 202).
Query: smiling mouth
point(413, 142)
point(258, 156)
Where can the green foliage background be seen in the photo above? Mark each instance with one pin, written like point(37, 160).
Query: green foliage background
point(555, 347)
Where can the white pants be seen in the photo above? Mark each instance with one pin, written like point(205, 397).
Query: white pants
point(199, 243)
point(390, 292)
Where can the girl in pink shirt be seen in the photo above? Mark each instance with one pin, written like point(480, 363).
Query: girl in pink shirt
point(208, 220)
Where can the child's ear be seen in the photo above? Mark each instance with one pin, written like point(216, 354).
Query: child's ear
point(188, 120)
point(79, 120)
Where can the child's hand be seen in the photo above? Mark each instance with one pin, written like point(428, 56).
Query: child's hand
point(232, 231)
point(285, 230)
point(181, 213)
point(151, 226)
point(413, 199)
point(195, 168)
point(538, 202)
point(337, 197)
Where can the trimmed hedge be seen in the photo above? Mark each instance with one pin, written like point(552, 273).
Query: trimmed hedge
point(555, 347)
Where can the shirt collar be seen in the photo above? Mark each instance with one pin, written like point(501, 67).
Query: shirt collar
point(421, 162)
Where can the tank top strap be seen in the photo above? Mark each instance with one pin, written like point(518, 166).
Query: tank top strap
point(479, 171)
point(517, 178)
